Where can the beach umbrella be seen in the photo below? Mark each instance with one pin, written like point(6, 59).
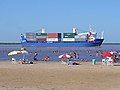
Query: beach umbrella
point(107, 54)
point(24, 52)
point(17, 52)
point(13, 53)
point(64, 56)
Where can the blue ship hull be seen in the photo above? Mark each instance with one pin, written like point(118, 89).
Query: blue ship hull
point(96, 42)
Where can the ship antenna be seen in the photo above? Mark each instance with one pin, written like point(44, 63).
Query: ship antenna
point(102, 35)
point(90, 27)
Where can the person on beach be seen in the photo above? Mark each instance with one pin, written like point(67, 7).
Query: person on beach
point(47, 58)
point(24, 53)
point(35, 56)
point(78, 56)
point(75, 55)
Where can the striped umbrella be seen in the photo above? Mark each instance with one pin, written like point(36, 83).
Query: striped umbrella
point(64, 56)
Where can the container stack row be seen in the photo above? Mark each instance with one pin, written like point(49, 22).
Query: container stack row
point(55, 37)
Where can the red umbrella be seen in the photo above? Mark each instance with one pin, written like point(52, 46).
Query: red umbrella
point(106, 54)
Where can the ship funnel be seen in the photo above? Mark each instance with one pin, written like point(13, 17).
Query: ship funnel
point(42, 30)
point(74, 30)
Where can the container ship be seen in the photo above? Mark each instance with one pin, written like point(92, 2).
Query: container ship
point(74, 39)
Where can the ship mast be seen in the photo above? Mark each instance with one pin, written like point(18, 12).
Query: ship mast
point(102, 35)
point(90, 27)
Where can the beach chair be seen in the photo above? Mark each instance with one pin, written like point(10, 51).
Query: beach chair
point(110, 61)
point(104, 61)
point(13, 61)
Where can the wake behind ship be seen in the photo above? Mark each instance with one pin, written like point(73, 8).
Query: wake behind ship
point(74, 39)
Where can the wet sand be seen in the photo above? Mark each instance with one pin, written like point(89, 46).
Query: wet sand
point(56, 76)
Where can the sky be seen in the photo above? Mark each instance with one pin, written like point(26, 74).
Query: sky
point(21, 16)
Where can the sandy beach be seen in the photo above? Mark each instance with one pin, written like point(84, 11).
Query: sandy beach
point(56, 76)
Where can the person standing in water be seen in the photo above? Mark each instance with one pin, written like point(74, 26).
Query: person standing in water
point(35, 56)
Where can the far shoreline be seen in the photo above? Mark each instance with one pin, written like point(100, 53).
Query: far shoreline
point(5, 43)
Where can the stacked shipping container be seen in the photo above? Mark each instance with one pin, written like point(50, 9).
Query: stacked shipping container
point(41, 37)
point(54, 37)
point(80, 37)
point(69, 36)
point(30, 36)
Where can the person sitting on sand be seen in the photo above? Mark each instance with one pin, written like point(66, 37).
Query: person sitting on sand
point(47, 58)
point(21, 62)
point(76, 63)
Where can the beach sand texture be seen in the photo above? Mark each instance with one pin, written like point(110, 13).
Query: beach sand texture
point(56, 76)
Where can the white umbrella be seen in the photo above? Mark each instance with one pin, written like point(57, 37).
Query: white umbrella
point(13, 53)
point(17, 52)
point(24, 52)
point(64, 56)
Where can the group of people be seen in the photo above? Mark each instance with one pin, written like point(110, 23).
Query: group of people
point(73, 56)
point(47, 58)
point(69, 59)
point(110, 60)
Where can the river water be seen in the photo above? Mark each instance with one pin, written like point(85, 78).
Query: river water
point(82, 53)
